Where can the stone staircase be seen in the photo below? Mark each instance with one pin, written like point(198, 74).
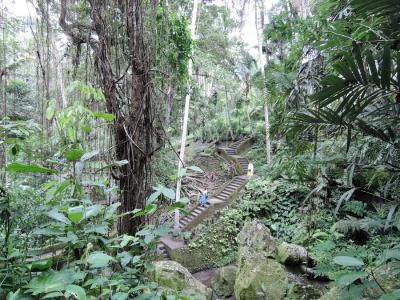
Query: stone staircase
point(217, 201)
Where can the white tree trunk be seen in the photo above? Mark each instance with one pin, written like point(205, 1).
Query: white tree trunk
point(185, 116)
point(259, 30)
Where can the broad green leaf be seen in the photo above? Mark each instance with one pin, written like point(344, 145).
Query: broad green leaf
point(99, 260)
point(153, 197)
point(162, 230)
point(74, 154)
point(101, 229)
point(89, 155)
point(120, 296)
point(350, 277)
point(121, 163)
point(31, 168)
point(150, 209)
point(106, 116)
point(41, 265)
point(348, 261)
point(75, 214)
point(196, 169)
point(51, 281)
point(53, 295)
point(47, 231)
point(126, 239)
point(169, 193)
point(70, 238)
point(124, 258)
point(76, 291)
point(93, 211)
point(110, 210)
point(148, 238)
point(181, 203)
point(55, 215)
point(388, 255)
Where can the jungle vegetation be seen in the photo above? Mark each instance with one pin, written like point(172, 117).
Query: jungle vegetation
point(92, 130)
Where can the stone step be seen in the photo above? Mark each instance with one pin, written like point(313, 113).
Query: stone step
point(236, 184)
point(184, 221)
point(198, 209)
point(231, 187)
point(225, 193)
point(196, 213)
point(223, 198)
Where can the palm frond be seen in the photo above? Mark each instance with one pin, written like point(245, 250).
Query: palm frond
point(376, 7)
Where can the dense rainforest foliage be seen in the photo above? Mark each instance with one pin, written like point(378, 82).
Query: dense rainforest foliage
point(117, 115)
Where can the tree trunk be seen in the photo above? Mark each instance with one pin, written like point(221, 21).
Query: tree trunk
point(265, 92)
point(137, 129)
point(185, 117)
point(133, 127)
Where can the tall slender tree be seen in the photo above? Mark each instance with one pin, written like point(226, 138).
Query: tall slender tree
point(186, 115)
point(259, 9)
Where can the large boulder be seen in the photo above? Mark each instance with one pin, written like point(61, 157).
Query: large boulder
point(259, 276)
point(291, 254)
point(176, 279)
point(257, 237)
point(223, 281)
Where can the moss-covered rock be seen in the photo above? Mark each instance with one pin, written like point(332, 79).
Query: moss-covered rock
point(223, 281)
point(174, 278)
point(303, 292)
point(202, 257)
point(257, 237)
point(291, 254)
point(332, 294)
point(260, 278)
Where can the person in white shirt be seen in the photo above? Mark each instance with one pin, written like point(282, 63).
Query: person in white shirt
point(250, 170)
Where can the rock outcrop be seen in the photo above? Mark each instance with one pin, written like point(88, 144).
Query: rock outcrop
point(259, 275)
point(223, 281)
point(176, 279)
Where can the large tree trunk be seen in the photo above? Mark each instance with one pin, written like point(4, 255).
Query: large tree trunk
point(133, 127)
point(138, 127)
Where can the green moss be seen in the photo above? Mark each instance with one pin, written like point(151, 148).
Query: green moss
point(223, 281)
point(201, 257)
point(260, 278)
point(282, 253)
point(174, 279)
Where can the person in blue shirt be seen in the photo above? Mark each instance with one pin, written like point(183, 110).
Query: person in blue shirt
point(204, 198)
